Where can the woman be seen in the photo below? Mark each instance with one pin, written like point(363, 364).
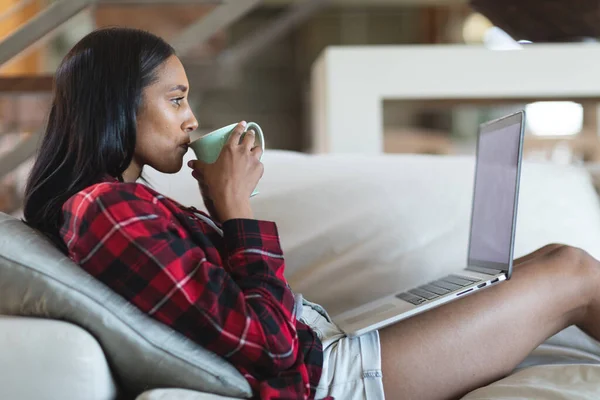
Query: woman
point(121, 104)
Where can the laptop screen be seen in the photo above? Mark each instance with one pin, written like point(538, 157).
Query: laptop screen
point(495, 193)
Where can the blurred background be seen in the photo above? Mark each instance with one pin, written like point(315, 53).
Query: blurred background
point(252, 60)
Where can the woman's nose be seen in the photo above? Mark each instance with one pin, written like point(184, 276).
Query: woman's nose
point(191, 125)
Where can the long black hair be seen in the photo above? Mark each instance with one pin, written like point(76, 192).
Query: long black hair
point(91, 130)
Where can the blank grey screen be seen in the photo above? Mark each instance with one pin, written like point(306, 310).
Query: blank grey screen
point(494, 199)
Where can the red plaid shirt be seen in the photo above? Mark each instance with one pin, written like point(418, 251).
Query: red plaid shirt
point(222, 286)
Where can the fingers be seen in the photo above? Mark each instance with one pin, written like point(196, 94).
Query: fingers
point(257, 152)
point(249, 140)
point(236, 134)
point(196, 165)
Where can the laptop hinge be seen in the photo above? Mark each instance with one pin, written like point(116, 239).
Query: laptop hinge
point(483, 270)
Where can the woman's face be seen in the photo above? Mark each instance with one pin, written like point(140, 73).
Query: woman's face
point(164, 122)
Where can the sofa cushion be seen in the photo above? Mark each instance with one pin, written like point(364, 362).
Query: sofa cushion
point(37, 280)
point(179, 394)
point(347, 219)
point(354, 226)
point(573, 382)
point(56, 358)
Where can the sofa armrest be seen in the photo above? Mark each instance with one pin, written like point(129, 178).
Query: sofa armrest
point(56, 358)
point(179, 394)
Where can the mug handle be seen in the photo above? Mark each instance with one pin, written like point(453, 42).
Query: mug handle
point(259, 134)
point(261, 138)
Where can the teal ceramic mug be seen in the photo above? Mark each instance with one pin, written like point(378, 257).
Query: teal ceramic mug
point(208, 147)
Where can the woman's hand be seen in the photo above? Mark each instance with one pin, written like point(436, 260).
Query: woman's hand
point(227, 184)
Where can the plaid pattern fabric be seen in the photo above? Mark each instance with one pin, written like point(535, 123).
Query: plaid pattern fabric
point(220, 285)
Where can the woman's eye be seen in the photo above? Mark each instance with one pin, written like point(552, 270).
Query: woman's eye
point(178, 101)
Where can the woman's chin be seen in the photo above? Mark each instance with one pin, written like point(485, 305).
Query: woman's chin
point(171, 168)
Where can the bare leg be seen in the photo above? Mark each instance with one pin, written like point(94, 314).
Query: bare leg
point(539, 252)
point(453, 349)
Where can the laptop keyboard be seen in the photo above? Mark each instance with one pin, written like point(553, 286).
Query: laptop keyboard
point(436, 289)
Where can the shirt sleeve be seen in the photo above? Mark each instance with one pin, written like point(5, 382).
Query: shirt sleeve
point(243, 310)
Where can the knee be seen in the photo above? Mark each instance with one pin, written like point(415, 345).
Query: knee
point(552, 246)
point(574, 257)
point(578, 264)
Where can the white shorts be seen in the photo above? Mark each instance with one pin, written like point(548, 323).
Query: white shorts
point(351, 367)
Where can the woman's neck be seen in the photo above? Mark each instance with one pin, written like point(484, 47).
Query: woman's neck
point(132, 173)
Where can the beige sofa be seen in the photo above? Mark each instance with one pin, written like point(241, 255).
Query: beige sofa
point(344, 221)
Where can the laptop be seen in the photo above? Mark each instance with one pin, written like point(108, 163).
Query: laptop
point(491, 238)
